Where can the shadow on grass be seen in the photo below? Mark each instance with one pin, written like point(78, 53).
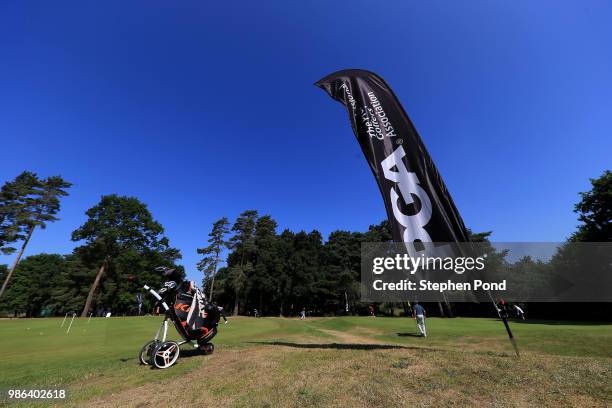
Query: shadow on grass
point(408, 335)
point(185, 353)
point(336, 346)
point(561, 322)
point(192, 352)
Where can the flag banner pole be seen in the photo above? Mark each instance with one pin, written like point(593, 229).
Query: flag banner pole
point(511, 336)
point(420, 210)
point(504, 318)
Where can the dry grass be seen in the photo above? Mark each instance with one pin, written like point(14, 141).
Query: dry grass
point(350, 370)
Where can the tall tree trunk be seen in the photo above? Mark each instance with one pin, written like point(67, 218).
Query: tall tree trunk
point(93, 288)
point(212, 281)
point(236, 302)
point(14, 266)
point(405, 307)
point(236, 305)
point(441, 309)
point(212, 285)
point(449, 309)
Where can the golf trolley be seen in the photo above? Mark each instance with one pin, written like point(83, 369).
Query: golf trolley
point(193, 317)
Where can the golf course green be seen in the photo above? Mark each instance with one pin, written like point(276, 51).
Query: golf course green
point(340, 361)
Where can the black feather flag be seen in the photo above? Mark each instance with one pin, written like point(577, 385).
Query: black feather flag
point(420, 209)
point(418, 204)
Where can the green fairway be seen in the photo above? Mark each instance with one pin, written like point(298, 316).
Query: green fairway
point(317, 362)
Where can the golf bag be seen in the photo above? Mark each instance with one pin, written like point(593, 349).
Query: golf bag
point(194, 318)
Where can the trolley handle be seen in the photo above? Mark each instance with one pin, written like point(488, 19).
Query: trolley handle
point(168, 287)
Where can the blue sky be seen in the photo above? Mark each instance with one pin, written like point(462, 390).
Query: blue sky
point(203, 110)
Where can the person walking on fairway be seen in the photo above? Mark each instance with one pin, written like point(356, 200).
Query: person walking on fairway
point(519, 312)
point(303, 314)
point(419, 316)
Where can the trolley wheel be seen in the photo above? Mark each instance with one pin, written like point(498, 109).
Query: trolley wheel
point(146, 351)
point(165, 354)
point(207, 348)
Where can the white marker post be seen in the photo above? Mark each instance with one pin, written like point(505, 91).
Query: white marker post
point(62, 325)
point(72, 320)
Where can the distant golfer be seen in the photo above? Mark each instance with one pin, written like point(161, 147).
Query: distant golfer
point(419, 316)
point(303, 314)
point(519, 312)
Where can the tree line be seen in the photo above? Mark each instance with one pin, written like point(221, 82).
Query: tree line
point(119, 237)
point(245, 265)
point(279, 274)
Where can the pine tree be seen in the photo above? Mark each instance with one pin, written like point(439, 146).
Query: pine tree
point(595, 211)
point(26, 203)
point(209, 263)
point(267, 264)
point(243, 247)
point(115, 226)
